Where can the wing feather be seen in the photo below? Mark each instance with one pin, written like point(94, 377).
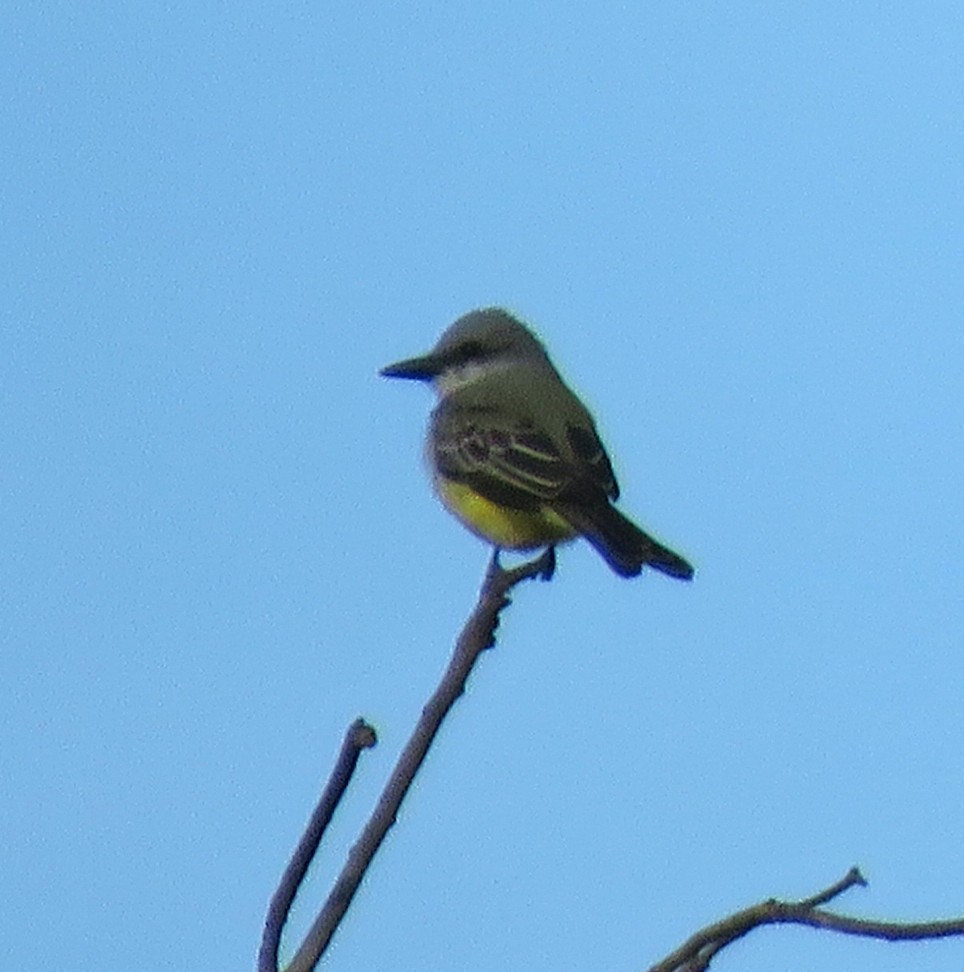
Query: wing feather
point(511, 462)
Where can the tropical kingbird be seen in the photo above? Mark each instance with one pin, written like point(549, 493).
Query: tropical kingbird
point(515, 455)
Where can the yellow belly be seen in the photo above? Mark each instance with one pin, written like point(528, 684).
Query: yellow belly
point(502, 525)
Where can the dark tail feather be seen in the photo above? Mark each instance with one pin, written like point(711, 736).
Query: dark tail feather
point(622, 544)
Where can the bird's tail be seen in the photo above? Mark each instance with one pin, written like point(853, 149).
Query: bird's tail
point(622, 544)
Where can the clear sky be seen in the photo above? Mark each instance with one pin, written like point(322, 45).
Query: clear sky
point(740, 229)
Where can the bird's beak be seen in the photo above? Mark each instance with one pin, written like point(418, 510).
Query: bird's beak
point(424, 368)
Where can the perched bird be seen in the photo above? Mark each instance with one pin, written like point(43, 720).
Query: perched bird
point(515, 455)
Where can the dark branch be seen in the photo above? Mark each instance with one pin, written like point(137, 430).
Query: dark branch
point(850, 879)
point(696, 954)
point(477, 635)
point(359, 736)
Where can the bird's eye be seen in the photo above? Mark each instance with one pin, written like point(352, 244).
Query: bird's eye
point(469, 351)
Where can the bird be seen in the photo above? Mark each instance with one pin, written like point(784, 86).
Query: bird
point(514, 453)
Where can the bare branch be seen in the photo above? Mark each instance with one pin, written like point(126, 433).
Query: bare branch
point(477, 635)
point(696, 953)
point(850, 879)
point(359, 736)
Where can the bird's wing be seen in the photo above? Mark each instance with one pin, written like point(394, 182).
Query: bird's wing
point(511, 461)
point(593, 462)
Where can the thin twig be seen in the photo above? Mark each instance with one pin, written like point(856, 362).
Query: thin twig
point(852, 878)
point(359, 736)
point(477, 635)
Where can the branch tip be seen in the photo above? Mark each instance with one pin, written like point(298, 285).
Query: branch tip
point(363, 734)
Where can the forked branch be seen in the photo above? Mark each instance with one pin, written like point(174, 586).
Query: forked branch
point(477, 635)
point(695, 954)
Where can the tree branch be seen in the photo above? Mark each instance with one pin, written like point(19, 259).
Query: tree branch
point(477, 635)
point(359, 736)
point(697, 952)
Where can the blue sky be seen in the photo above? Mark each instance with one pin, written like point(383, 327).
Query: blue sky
point(740, 230)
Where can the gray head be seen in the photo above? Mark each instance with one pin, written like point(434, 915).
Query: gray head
point(477, 342)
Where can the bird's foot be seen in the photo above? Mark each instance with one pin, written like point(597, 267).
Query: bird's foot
point(542, 567)
point(495, 568)
point(547, 564)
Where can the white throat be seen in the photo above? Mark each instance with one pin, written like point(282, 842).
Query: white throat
point(458, 376)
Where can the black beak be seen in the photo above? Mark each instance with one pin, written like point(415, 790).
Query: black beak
point(424, 368)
